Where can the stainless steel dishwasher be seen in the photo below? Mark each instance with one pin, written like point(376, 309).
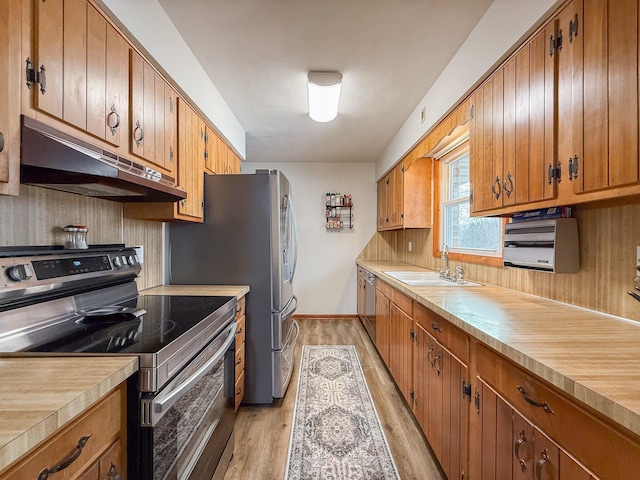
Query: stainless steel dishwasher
point(369, 320)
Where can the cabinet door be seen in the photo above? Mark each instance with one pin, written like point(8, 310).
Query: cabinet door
point(137, 134)
point(170, 132)
point(383, 187)
point(421, 367)
point(609, 156)
point(395, 196)
point(49, 48)
point(400, 349)
point(383, 326)
point(435, 397)
point(496, 438)
point(107, 79)
point(10, 84)
point(190, 162)
point(361, 297)
point(222, 157)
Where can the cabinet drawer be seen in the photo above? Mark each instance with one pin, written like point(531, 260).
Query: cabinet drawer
point(239, 390)
point(403, 302)
point(601, 447)
point(384, 288)
point(240, 310)
point(448, 335)
point(239, 360)
point(102, 423)
point(240, 333)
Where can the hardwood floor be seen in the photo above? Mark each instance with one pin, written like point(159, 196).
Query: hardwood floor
point(262, 432)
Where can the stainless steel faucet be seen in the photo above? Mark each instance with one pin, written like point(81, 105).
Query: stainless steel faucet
point(444, 258)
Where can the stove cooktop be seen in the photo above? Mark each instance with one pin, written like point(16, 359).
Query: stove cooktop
point(167, 319)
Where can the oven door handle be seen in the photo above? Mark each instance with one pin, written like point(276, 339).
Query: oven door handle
point(164, 402)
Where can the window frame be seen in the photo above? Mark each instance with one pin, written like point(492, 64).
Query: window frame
point(455, 150)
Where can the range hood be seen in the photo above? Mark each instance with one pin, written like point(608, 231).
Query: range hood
point(52, 159)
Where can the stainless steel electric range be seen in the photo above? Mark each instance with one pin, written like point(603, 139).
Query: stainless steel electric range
point(85, 302)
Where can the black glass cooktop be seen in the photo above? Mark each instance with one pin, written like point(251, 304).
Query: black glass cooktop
point(129, 330)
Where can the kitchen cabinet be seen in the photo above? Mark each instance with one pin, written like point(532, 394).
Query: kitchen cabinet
point(153, 115)
point(191, 160)
point(240, 351)
point(394, 335)
point(79, 73)
point(515, 409)
point(96, 438)
point(605, 98)
point(442, 389)
point(10, 84)
point(404, 195)
point(511, 132)
point(383, 323)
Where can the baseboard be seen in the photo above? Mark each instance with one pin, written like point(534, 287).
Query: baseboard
point(325, 316)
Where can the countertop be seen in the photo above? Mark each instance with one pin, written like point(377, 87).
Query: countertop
point(593, 357)
point(38, 395)
point(238, 291)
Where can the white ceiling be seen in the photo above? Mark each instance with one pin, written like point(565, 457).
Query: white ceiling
point(258, 53)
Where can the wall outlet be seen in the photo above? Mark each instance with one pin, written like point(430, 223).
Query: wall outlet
point(410, 246)
point(423, 114)
point(139, 253)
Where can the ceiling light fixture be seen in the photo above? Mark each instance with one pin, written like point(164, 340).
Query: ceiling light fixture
point(324, 95)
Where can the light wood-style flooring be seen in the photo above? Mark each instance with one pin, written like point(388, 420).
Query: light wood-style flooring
point(262, 432)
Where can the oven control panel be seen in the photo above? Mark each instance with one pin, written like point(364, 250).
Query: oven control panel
point(57, 271)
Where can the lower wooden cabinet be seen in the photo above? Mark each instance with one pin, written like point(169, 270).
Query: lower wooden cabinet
point(539, 433)
point(400, 350)
point(383, 324)
point(240, 351)
point(441, 397)
point(91, 446)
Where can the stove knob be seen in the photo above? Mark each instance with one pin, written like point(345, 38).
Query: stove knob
point(116, 262)
point(132, 260)
point(20, 273)
point(124, 260)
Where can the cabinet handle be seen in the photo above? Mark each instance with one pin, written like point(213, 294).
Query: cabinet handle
point(171, 154)
point(112, 473)
point(138, 133)
point(238, 391)
point(429, 352)
point(436, 327)
point(545, 406)
point(238, 362)
point(65, 462)
point(508, 181)
point(1, 142)
point(113, 120)
point(436, 361)
point(541, 463)
point(495, 183)
point(516, 450)
point(238, 331)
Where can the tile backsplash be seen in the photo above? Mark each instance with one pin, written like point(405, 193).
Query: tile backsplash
point(608, 238)
point(37, 216)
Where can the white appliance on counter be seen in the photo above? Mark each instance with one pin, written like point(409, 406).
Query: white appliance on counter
point(249, 237)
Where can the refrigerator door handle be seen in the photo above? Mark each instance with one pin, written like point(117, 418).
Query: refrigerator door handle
point(295, 238)
point(287, 311)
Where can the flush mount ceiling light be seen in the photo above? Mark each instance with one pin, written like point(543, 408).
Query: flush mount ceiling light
point(324, 95)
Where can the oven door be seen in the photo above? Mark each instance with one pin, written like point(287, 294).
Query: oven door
point(186, 428)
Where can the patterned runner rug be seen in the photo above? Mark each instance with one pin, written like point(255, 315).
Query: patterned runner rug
point(336, 433)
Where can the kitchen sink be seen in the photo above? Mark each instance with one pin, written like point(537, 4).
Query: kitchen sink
point(431, 279)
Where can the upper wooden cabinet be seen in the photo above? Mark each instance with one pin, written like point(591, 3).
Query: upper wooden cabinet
point(153, 115)
point(404, 195)
point(604, 135)
point(82, 67)
point(511, 132)
point(10, 82)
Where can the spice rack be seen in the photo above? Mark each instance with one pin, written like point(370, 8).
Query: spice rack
point(338, 212)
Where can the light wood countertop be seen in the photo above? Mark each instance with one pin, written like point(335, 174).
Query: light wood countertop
point(238, 291)
point(38, 395)
point(593, 357)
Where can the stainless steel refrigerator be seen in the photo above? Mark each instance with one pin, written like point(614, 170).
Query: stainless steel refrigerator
point(248, 237)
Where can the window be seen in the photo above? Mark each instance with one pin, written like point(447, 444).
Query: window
point(462, 233)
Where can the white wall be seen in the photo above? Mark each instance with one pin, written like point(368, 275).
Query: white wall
point(325, 278)
point(500, 28)
point(149, 24)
